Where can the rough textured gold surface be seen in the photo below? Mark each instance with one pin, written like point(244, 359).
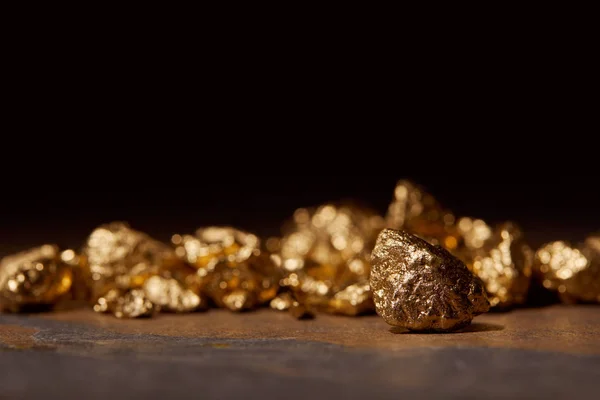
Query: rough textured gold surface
point(125, 304)
point(34, 277)
point(574, 272)
point(423, 287)
point(418, 212)
point(502, 259)
point(118, 257)
point(170, 295)
point(354, 300)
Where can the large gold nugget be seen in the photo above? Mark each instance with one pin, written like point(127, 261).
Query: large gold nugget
point(423, 287)
point(574, 272)
point(36, 277)
point(418, 212)
point(504, 264)
point(122, 258)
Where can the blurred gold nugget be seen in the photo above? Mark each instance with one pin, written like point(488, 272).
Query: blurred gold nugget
point(283, 302)
point(242, 286)
point(573, 272)
point(354, 300)
point(215, 243)
point(418, 212)
point(326, 250)
point(119, 257)
point(423, 287)
point(170, 295)
point(232, 269)
point(36, 277)
point(500, 257)
point(125, 304)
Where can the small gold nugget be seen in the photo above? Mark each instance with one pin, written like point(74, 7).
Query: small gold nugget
point(574, 272)
point(125, 304)
point(232, 270)
point(423, 287)
point(282, 302)
point(36, 277)
point(500, 257)
point(171, 296)
point(214, 243)
point(354, 300)
point(119, 257)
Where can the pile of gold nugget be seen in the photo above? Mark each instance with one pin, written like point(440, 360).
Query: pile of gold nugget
point(419, 267)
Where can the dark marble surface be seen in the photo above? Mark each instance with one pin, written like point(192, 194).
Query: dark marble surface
point(267, 354)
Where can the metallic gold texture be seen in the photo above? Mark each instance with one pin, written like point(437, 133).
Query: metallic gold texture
point(215, 243)
point(118, 257)
point(325, 250)
point(503, 261)
point(354, 300)
point(171, 296)
point(36, 277)
point(282, 302)
point(125, 304)
point(423, 287)
point(418, 212)
point(242, 286)
point(572, 271)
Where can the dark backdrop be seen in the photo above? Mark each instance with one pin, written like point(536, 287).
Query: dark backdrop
point(550, 207)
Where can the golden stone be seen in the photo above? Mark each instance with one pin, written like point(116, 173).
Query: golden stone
point(418, 212)
point(502, 259)
point(125, 304)
point(171, 296)
point(282, 302)
point(118, 257)
point(212, 244)
point(36, 277)
point(355, 299)
point(572, 271)
point(243, 285)
point(423, 287)
point(326, 250)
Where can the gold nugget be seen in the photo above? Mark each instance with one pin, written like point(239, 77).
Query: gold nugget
point(423, 287)
point(215, 243)
point(282, 302)
point(242, 286)
point(171, 296)
point(418, 212)
point(232, 269)
point(354, 300)
point(118, 257)
point(326, 250)
point(573, 272)
point(36, 277)
point(502, 259)
point(125, 304)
